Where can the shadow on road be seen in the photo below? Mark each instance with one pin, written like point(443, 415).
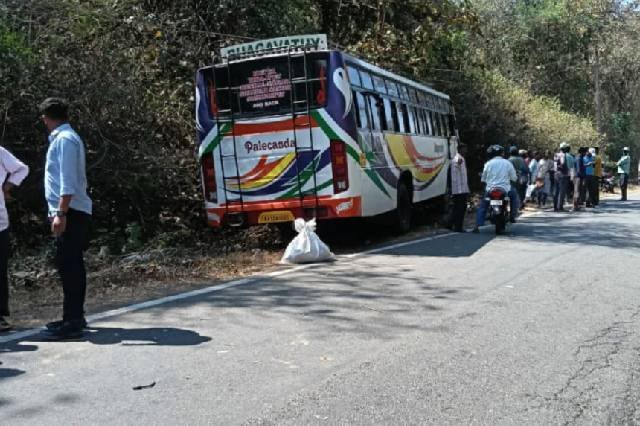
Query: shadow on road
point(7, 373)
point(16, 347)
point(379, 300)
point(587, 227)
point(139, 336)
point(454, 245)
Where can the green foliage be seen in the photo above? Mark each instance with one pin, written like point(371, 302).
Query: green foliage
point(15, 56)
point(518, 72)
point(623, 133)
point(537, 121)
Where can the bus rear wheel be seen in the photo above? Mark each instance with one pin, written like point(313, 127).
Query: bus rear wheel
point(403, 209)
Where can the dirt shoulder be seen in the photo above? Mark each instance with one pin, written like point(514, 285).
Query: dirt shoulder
point(194, 262)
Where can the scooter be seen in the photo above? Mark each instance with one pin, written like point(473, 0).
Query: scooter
point(499, 208)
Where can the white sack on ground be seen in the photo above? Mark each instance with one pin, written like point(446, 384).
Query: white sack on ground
point(306, 247)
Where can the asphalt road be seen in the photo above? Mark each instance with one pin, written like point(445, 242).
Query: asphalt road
point(537, 327)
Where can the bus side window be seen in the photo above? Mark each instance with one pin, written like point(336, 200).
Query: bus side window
point(412, 118)
point(394, 116)
point(367, 83)
point(423, 123)
point(445, 120)
point(375, 113)
point(438, 123)
point(354, 77)
point(412, 121)
point(402, 124)
point(405, 118)
point(356, 109)
point(427, 118)
point(434, 125)
point(416, 114)
point(363, 122)
point(389, 123)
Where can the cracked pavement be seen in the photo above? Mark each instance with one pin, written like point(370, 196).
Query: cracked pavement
point(536, 327)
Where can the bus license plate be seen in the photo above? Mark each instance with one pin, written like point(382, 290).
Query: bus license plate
point(496, 202)
point(276, 216)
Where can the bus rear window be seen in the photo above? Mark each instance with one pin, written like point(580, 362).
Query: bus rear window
point(265, 86)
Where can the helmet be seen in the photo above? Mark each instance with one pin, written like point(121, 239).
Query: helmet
point(625, 149)
point(513, 150)
point(495, 151)
point(564, 145)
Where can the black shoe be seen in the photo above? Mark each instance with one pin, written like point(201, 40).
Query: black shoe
point(56, 324)
point(68, 330)
point(4, 324)
point(512, 220)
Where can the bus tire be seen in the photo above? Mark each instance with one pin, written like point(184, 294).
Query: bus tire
point(286, 231)
point(403, 209)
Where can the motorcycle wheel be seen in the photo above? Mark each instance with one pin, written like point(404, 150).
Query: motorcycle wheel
point(500, 224)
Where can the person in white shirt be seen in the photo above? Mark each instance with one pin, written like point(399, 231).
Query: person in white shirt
point(459, 190)
point(498, 173)
point(12, 173)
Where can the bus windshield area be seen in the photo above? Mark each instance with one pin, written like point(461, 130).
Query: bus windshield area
point(269, 86)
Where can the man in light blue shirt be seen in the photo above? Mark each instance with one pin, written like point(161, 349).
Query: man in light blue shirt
point(65, 171)
point(65, 184)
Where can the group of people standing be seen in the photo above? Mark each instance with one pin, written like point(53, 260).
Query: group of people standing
point(69, 213)
point(539, 177)
point(564, 177)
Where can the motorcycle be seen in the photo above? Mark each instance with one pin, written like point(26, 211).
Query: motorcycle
point(608, 184)
point(498, 208)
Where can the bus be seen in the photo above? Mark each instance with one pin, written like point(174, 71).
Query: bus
point(290, 128)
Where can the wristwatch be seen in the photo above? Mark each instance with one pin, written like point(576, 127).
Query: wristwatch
point(60, 213)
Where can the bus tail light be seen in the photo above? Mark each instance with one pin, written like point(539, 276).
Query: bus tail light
point(209, 179)
point(339, 166)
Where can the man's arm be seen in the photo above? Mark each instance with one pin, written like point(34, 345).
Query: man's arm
point(16, 169)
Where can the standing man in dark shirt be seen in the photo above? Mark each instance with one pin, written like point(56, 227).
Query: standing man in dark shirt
point(579, 188)
point(523, 174)
point(70, 210)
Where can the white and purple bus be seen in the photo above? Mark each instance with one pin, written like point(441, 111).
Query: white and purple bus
point(289, 128)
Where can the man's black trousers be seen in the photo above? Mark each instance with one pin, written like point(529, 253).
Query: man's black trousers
point(69, 260)
point(624, 181)
point(458, 211)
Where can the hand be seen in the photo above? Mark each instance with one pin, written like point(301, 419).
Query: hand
point(58, 226)
point(6, 189)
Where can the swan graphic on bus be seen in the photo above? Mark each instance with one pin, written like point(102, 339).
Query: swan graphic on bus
point(316, 132)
